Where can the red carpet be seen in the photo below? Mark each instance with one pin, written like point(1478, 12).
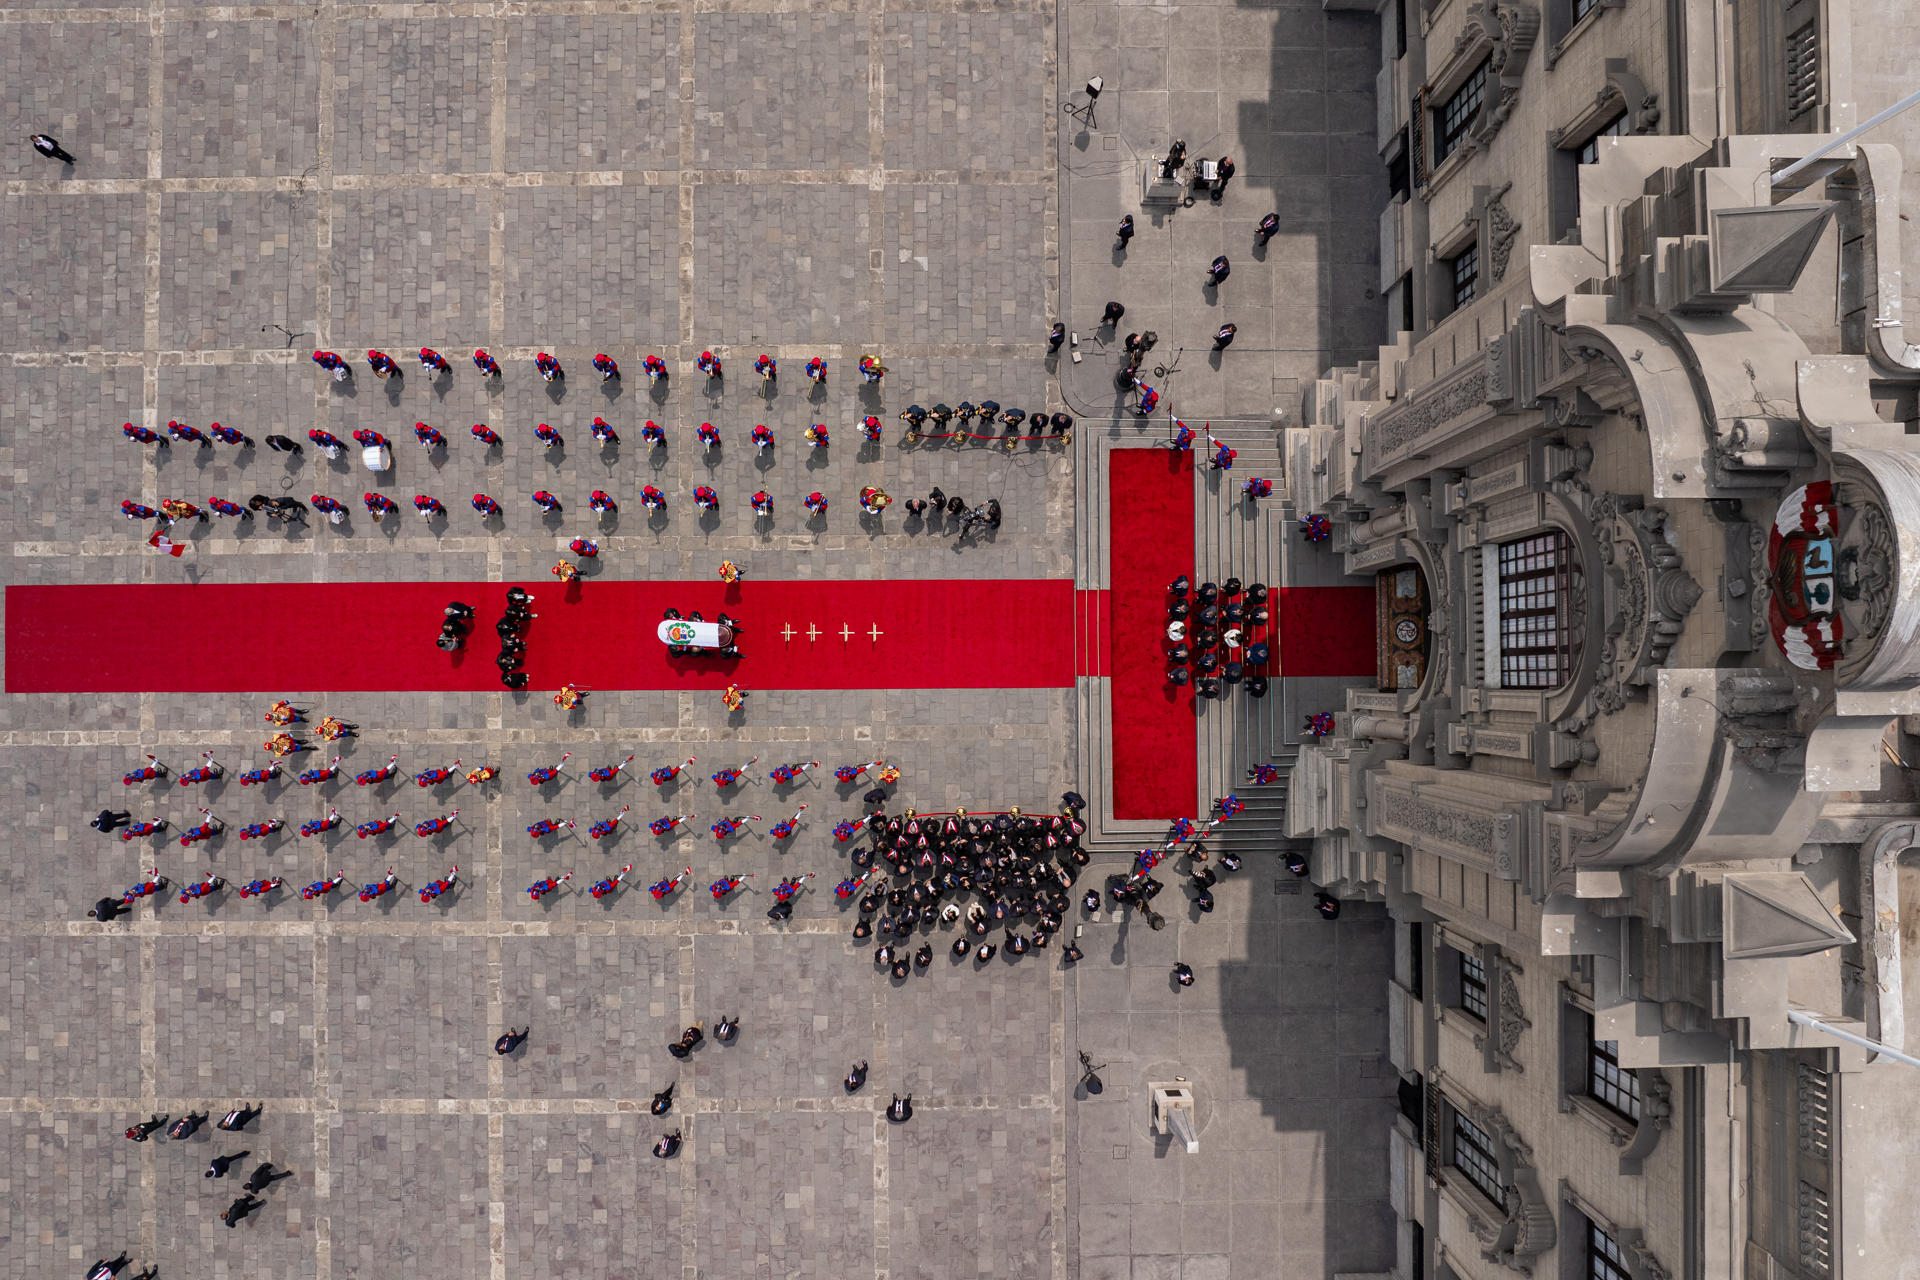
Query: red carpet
point(1150, 515)
point(351, 637)
point(1326, 631)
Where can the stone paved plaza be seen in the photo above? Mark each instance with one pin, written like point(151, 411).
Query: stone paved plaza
point(577, 176)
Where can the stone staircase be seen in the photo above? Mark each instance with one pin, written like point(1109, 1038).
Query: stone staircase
point(1255, 542)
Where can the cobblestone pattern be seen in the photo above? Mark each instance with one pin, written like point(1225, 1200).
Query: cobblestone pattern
point(68, 1004)
point(781, 264)
point(411, 271)
point(232, 1014)
point(781, 91)
point(965, 263)
point(62, 1205)
point(276, 1239)
point(406, 1017)
point(413, 97)
point(82, 265)
point(962, 93)
point(45, 483)
point(234, 263)
point(239, 99)
point(584, 1197)
point(970, 1192)
point(804, 1003)
point(593, 92)
point(66, 79)
point(787, 1194)
point(599, 1009)
point(593, 264)
point(410, 1195)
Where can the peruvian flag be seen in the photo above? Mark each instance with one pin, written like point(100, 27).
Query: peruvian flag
point(164, 543)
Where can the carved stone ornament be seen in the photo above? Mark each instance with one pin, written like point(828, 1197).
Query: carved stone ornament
point(1500, 230)
point(1624, 92)
point(1527, 1229)
point(1648, 595)
point(1507, 1020)
point(1512, 27)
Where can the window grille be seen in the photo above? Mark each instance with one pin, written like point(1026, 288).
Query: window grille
point(1458, 113)
point(1536, 633)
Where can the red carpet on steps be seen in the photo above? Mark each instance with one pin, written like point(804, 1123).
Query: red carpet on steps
point(1150, 543)
point(354, 637)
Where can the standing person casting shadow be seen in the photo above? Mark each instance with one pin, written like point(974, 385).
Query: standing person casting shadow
point(662, 1101)
point(900, 1110)
point(263, 1177)
point(856, 1078)
point(507, 1043)
point(688, 1041)
point(668, 1147)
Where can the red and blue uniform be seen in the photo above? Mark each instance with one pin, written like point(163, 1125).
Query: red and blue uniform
point(656, 367)
point(189, 892)
point(256, 888)
point(661, 888)
point(709, 364)
point(870, 427)
point(325, 440)
point(725, 885)
point(601, 888)
point(611, 772)
point(546, 827)
point(485, 506)
point(378, 826)
point(606, 366)
point(845, 831)
point(651, 498)
point(547, 436)
point(427, 505)
point(541, 888)
point(548, 366)
point(256, 830)
point(321, 888)
point(382, 363)
point(153, 769)
point(606, 827)
point(321, 502)
point(604, 433)
point(327, 774)
point(329, 361)
point(144, 435)
point(379, 503)
point(545, 501)
point(227, 435)
point(138, 829)
point(784, 891)
point(762, 437)
point(667, 773)
point(763, 503)
point(434, 888)
point(601, 501)
point(653, 433)
point(486, 364)
point(661, 826)
point(482, 431)
point(432, 361)
point(817, 369)
point(766, 366)
point(433, 777)
point(267, 774)
point(706, 498)
point(317, 825)
point(368, 892)
point(428, 437)
point(156, 885)
point(547, 773)
point(434, 826)
point(709, 435)
point(373, 777)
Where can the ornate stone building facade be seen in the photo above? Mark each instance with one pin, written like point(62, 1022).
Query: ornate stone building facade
point(1638, 488)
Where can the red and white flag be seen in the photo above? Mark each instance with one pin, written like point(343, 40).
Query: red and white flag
point(166, 544)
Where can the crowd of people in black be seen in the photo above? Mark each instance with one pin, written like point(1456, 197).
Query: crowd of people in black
point(1218, 636)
